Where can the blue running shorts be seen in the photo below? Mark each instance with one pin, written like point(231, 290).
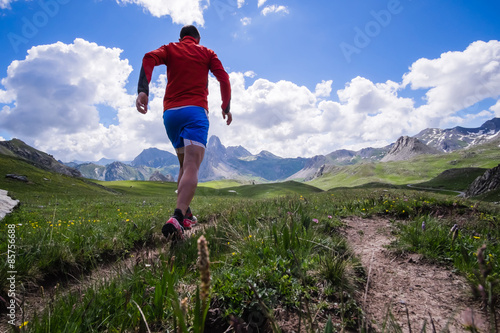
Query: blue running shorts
point(186, 125)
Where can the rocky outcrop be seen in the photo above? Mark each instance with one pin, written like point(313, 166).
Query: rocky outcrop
point(320, 171)
point(7, 204)
point(19, 149)
point(122, 171)
point(489, 181)
point(158, 177)
point(14, 176)
point(406, 148)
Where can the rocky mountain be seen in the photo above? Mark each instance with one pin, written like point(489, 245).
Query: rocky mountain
point(148, 163)
point(489, 181)
point(91, 170)
point(158, 177)
point(238, 163)
point(121, 171)
point(320, 164)
point(155, 158)
point(220, 162)
point(235, 162)
point(117, 171)
point(448, 140)
point(19, 149)
point(406, 148)
point(436, 140)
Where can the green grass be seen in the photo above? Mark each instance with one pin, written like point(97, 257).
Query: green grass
point(272, 190)
point(272, 246)
point(491, 196)
point(42, 183)
point(273, 253)
point(220, 184)
point(454, 179)
point(264, 249)
point(417, 170)
point(141, 188)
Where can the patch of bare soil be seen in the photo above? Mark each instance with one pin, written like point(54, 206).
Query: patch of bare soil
point(413, 290)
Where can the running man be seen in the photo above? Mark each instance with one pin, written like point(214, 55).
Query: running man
point(185, 113)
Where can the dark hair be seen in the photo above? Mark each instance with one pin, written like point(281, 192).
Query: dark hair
point(190, 30)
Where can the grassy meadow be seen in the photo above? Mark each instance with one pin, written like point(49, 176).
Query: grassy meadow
point(274, 249)
point(419, 169)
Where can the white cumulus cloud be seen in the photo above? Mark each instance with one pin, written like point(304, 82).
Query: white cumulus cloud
point(58, 89)
point(5, 4)
point(246, 21)
point(181, 11)
point(496, 109)
point(290, 120)
point(274, 9)
point(250, 74)
point(456, 80)
point(51, 99)
point(260, 3)
point(324, 88)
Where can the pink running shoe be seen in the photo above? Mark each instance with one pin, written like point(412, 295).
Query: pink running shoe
point(173, 229)
point(189, 216)
point(188, 224)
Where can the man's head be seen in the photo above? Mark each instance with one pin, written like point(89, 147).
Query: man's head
point(190, 30)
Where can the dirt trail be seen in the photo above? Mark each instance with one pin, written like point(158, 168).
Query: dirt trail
point(408, 282)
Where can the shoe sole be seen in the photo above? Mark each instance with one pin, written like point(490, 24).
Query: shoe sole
point(169, 231)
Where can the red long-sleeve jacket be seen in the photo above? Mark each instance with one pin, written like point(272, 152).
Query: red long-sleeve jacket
point(187, 64)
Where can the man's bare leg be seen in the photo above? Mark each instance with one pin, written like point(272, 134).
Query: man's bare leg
point(188, 175)
point(180, 157)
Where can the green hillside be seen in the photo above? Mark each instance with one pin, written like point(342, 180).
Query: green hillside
point(453, 179)
point(417, 170)
point(273, 190)
point(223, 183)
point(219, 188)
point(279, 241)
point(141, 188)
point(41, 181)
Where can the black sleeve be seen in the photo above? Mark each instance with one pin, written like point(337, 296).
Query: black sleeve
point(143, 85)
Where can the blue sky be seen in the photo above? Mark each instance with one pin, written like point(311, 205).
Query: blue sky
point(308, 77)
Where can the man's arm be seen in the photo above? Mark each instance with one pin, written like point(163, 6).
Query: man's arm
point(225, 87)
point(150, 60)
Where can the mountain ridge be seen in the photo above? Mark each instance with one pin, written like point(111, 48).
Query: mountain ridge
point(236, 162)
point(40, 159)
point(405, 148)
point(458, 137)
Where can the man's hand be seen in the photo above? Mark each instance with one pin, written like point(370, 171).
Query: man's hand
point(229, 117)
point(141, 103)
